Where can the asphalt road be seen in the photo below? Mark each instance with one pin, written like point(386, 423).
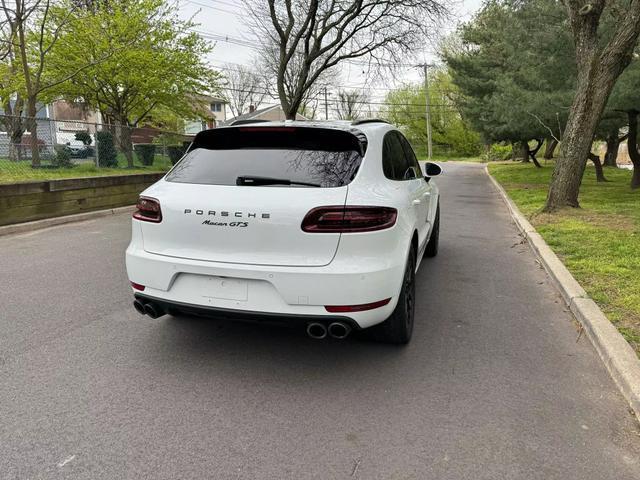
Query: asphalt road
point(496, 383)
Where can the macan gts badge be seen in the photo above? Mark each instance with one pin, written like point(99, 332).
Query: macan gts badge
point(321, 225)
point(234, 215)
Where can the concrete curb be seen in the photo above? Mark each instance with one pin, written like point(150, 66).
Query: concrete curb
point(52, 222)
point(617, 355)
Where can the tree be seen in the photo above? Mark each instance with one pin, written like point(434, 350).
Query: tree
point(517, 83)
point(243, 87)
point(514, 80)
point(304, 38)
point(550, 148)
point(406, 107)
point(155, 63)
point(621, 113)
point(12, 100)
point(599, 64)
point(33, 31)
point(632, 143)
point(350, 104)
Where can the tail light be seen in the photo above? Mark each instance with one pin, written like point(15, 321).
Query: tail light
point(349, 219)
point(148, 210)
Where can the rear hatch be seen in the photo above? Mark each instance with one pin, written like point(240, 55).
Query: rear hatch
point(241, 193)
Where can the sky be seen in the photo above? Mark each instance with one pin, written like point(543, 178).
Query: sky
point(223, 23)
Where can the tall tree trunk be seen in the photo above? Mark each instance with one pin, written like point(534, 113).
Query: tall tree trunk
point(550, 149)
point(598, 164)
point(523, 149)
point(589, 102)
point(613, 144)
point(15, 147)
point(15, 131)
point(13, 122)
point(632, 144)
point(123, 136)
point(32, 124)
point(532, 152)
point(598, 69)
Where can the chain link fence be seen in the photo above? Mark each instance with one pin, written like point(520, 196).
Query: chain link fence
point(68, 148)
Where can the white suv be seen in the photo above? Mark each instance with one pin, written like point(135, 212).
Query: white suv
point(318, 224)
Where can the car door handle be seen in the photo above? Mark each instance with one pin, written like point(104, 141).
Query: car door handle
point(417, 202)
point(426, 194)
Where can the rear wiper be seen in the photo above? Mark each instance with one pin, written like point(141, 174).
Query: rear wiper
point(257, 181)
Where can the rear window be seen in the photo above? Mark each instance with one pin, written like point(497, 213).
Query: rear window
point(307, 156)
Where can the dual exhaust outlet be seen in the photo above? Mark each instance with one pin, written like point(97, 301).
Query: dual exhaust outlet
point(151, 309)
point(319, 331)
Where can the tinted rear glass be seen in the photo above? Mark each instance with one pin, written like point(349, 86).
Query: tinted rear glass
point(329, 158)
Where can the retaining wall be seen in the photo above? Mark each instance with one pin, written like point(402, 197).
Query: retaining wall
point(23, 202)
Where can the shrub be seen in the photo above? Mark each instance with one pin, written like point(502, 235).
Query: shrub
point(84, 137)
point(62, 157)
point(145, 152)
point(498, 152)
point(107, 154)
point(175, 152)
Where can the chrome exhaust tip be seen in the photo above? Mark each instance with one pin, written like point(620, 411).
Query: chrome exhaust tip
point(339, 330)
point(139, 306)
point(153, 310)
point(316, 330)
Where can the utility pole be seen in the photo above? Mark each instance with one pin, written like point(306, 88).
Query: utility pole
point(428, 109)
point(326, 104)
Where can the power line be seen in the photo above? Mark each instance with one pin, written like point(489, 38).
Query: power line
point(365, 102)
point(257, 46)
point(364, 87)
point(440, 108)
point(211, 7)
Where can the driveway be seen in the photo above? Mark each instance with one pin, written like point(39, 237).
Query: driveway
point(497, 382)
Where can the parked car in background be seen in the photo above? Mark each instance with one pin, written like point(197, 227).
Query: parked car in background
point(79, 150)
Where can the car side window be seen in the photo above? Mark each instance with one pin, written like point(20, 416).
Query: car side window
point(394, 160)
point(411, 156)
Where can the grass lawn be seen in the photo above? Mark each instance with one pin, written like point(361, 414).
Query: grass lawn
point(599, 243)
point(12, 172)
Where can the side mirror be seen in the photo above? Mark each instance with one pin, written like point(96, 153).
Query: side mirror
point(432, 169)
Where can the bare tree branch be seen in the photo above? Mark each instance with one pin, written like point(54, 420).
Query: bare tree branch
point(350, 104)
point(244, 87)
point(302, 39)
point(539, 120)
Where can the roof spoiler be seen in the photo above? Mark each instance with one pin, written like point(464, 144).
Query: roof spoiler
point(368, 120)
point(245, 122)
point(274, 137)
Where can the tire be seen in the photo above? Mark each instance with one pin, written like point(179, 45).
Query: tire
point(432, 247)
point(398, 328)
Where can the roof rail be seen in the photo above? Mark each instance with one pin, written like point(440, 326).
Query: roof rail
point(368, 120)
point(244, 122)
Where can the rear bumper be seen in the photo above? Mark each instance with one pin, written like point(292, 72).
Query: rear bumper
point(172, 308)
point(268, 291)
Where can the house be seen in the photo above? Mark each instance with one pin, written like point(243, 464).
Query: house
point(273, 113)
point(70, 118)
point(212, 110)
point(45, 132)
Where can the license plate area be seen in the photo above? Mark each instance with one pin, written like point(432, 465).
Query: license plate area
point(226, 288)
point(207, 288)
